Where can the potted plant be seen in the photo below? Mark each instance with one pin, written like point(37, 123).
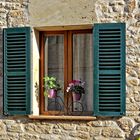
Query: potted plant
point(51, 86)
point(76, 87)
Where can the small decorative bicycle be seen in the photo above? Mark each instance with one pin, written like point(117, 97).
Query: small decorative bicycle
point(75, 107)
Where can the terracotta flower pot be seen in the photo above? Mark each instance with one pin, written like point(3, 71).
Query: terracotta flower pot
point(76, 96)
point(52, 93)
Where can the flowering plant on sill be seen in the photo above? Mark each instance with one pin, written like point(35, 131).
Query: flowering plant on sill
point(76, 86)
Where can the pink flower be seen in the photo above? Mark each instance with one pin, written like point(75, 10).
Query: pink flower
point(76, 86)
point(68, 88)
point(71, 84)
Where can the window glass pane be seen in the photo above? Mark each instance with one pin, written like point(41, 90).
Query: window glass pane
point(83, 66)
point(54, 65)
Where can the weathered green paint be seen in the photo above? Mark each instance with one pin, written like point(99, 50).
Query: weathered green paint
point(109, 69)
point(17, 80)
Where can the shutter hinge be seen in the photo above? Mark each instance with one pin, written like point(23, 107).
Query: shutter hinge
point(6, 113)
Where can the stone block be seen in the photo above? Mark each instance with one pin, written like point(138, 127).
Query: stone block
point(78, 134)
point(112, 132)
point(131, 5)
point(2, 5)
point(30, 128)
point(56, 131)
point(12, 136)
point(126, 124)
point(14, 1)
point(137, 16)
point(132, 107)
point(44, 137)
point(27, 136)
point(102, 123)
point(16, 13)
point(41, 129)
point(132, 72)
point(137, 98)
point(95, 123)
point(109, 123)
point(104, 138)
point(95, 131)
point(132, 81)
point(15, 128)
point(137, 119)
point(132, 113)
point(4, 137)
point(83, 128)
point(67, 126)
point(12, 6)
point(9, 122)
point(2, 128)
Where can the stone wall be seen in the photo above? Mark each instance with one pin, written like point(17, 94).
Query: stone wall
point(15, 13)
point(106, 129)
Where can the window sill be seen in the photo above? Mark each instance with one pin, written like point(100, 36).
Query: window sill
point(78, 118)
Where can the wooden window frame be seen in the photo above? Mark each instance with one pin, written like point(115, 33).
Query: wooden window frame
point(68, 63)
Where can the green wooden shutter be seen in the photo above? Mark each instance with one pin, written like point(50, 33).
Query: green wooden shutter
point(109, 69)
point(17, 94)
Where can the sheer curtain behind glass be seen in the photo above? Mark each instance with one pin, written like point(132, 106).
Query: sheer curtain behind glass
point(54, 61)
point(83, 66)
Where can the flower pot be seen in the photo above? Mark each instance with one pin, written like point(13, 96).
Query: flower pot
point(52, 93)
point(76, 96)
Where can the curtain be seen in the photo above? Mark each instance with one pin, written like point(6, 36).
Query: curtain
point(54, 63)
point(83, 66)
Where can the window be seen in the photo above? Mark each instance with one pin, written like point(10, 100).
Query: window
point(95, 56)
point(67, 55)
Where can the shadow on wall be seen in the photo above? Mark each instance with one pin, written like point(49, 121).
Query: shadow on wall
point(135, 133)
point(1, 72)
point(37, 92)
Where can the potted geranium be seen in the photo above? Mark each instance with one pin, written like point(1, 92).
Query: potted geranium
point(76, 87)
point(51, 86)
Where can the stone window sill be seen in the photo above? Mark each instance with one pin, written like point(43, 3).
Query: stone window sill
point(78, 118)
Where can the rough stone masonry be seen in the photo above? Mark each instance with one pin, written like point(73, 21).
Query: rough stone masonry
point(15, 13)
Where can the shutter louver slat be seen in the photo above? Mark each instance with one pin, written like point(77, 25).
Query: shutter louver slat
point(109, 65)
point(109, 69)
point(17, 71)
